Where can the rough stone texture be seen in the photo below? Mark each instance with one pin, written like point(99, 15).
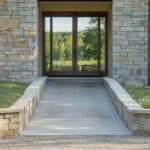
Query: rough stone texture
point(136, 118)
point(149, 45)
point(18, 40)
point(14, 119)
point(130, 41)
point(9, 124)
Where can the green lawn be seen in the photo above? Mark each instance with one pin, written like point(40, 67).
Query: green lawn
point(66, 65)
point(10, 92)
point(140, 94)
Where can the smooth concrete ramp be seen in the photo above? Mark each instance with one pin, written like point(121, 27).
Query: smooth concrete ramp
point(75, 107)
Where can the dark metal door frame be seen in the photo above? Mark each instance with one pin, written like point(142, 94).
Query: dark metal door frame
point(74, 71)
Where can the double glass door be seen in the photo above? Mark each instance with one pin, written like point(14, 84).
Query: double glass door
point(75, 44)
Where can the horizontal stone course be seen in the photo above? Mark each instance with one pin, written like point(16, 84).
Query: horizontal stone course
point(130, 34)
point(18, 34)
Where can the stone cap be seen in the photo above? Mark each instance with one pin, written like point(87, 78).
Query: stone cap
point(124, 98)
point(10, 110)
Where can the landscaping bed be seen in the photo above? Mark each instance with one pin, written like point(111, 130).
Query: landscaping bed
point(140, 94)
point(10, 92)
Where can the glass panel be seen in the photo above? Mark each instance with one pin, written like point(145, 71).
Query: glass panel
point(87, 43)
point(47, 43)
point(103, 43)
point(62, 44)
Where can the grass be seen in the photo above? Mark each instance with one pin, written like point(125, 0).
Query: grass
point(66, 65)
point(10, 92)
point(140, 94)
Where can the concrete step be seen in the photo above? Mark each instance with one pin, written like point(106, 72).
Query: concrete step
point(76, 79)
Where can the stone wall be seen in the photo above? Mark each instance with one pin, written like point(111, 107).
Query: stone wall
point(9, 124)
point(149, 44)
point(136, 118)
point(14, 119)
point(130, 41)
point(18, 40)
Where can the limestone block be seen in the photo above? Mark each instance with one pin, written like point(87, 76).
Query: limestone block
point(1, 116)
point(14, 120)
point(4, 121)
point(3, 72)
point(14, 126)
point(4, 133)
point(2, 2)
point(22, 43)
point(6, 23)
point(9, 116)
point(12, 132)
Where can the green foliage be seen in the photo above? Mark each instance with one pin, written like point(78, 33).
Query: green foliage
point(10, 92)
point(140, 94)
point(87, 44)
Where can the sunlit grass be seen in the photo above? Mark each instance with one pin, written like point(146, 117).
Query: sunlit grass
point(66, 65)
point(10, 92)
point(140, 94)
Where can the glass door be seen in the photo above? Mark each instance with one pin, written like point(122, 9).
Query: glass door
point(87, 49)
point(62, 44)
point(75, 44)
point(58, 44)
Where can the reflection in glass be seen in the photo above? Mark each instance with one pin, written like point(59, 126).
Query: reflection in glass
point(103, 43)
point(87, 43)
point(62, 44)
point(47, 43)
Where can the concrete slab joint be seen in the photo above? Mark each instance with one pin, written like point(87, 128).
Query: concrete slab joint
point(15, 118)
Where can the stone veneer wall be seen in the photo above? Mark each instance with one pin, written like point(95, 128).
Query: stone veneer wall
point(149, 43)
point(18, 40)
point(130, 41)
point(9, 124)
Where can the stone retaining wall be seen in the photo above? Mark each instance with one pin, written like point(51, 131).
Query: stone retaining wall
point(136, 118)
point(9, 122)
point(14, 119)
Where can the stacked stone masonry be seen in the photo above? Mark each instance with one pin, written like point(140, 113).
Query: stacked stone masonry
point(136, 118)
point(130, 41)
point(18, 40)
point(9, 124)
point(15, 118)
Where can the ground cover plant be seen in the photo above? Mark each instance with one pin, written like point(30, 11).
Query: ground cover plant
point(10, 92)
point(140, 94)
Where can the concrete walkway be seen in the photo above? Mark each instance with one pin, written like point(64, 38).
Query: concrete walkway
point(71, 107)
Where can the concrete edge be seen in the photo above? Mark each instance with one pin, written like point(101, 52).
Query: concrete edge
point(134, 115)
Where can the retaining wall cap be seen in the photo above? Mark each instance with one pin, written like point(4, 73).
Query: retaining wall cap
point(10, 110)
point(122, 96)
point(140, 111)
point(30, 93)
point(22, 102)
